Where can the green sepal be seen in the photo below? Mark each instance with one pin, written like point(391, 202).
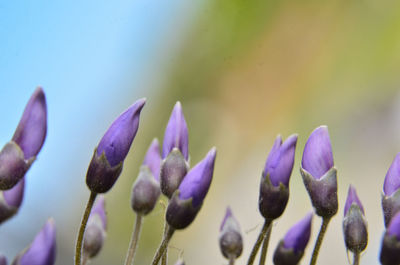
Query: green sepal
point(390, 206)
point(286, 256)
point(181, 213)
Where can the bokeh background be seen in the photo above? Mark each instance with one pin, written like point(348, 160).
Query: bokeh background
point(244, 71)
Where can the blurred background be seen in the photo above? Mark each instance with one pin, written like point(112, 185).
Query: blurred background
point(244, 71)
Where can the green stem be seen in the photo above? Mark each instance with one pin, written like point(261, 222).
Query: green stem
point(134, 240)
point(165, 256)
point(232, 260)
point(163, 246)
point(79, 241)
point(259, 240)
point(356, 258)
point(264, 248)
point(324, 226)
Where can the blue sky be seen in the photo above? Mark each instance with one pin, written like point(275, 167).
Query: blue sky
point(85, 54)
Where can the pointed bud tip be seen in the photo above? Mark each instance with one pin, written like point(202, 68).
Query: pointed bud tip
point(152, 159)
point(298, 236)
point(352, 197)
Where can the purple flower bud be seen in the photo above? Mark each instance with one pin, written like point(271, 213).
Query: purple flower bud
point(173, 169)
point(197, 182)
point(354, 223)
point(31, 130)
point(390, 247)
point(10, 201)
point(297, 237)
point(392, 179)
point(3, 260)
point(152, 159)
point(280, 161)
point(187, 200)
point(352, 198)
point(319, 174)
point(107, 161)
point(317, 155)
point(95, 232)
point(42, 250)
point(176, 133)
point(230, 239)
point(145, 192)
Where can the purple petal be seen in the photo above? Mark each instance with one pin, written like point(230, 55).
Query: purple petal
point(228, 214)
point(117, 141)
point(99, 208)
point(32, 127)
point(15, 195)
point(176, 133)
point(352, 198)
point(152, 159)
point(392, 179)
point(42, 251)
point(297, 237)
point(280, 161)
point(394, 226)
point(197, 181)
point(317, 155)
point(229, 221)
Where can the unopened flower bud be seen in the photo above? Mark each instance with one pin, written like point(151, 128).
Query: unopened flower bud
point(10, 200)
point(291, 249)
point(390, 247)
point(319, 174)
point(108, 158)
point(187, 200)
point(95, 232)
point(354, 223)
point(274, 187)
point(391, 191)
point(42, 250)
point(230, 237)
point(17, 155)
point(173, 169)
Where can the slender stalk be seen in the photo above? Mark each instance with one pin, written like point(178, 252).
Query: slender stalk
point(163, 246)
point(356, 258)
point(165, 256)
point(259, 240)
point(79, 241)
point(231, 260)
point(264, 248)
point(324, 226)
point(134, 240)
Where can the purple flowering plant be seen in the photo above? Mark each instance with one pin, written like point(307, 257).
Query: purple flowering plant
point(167, 172)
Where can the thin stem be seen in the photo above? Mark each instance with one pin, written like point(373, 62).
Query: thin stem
point(79, 241)
point(163, 246)
point(264, 248)
point(324, 226)
point(232, 260)
point(165, 256)
point(134, 240)
point(259, 240)
point(356, 258)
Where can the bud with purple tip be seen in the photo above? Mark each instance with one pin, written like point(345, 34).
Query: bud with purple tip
point(175, 152)
point(108, 158)
point(230, 237)
point(17, 155)
point(42, 250)
point(95, 230)
point(390, 247)
point(188, 199)
point(274, 187)
point(146, 189)
point(391, 191)
point(354, 223)
point(10, 200)
point(319, 173)
point(3, 260)
point(291, 249)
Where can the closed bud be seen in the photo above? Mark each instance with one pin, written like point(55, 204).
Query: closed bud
point(354, 223)
point(391, 191)
point(188, 199)
point(319, 174)
point(173, 169)
point(230, 237)
point(95, 232)
point(274, 187)
point(390, 247)
point(145, 192)
point(10, 201)
point(42, 250)
point(106, 164)
point(291, 248)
